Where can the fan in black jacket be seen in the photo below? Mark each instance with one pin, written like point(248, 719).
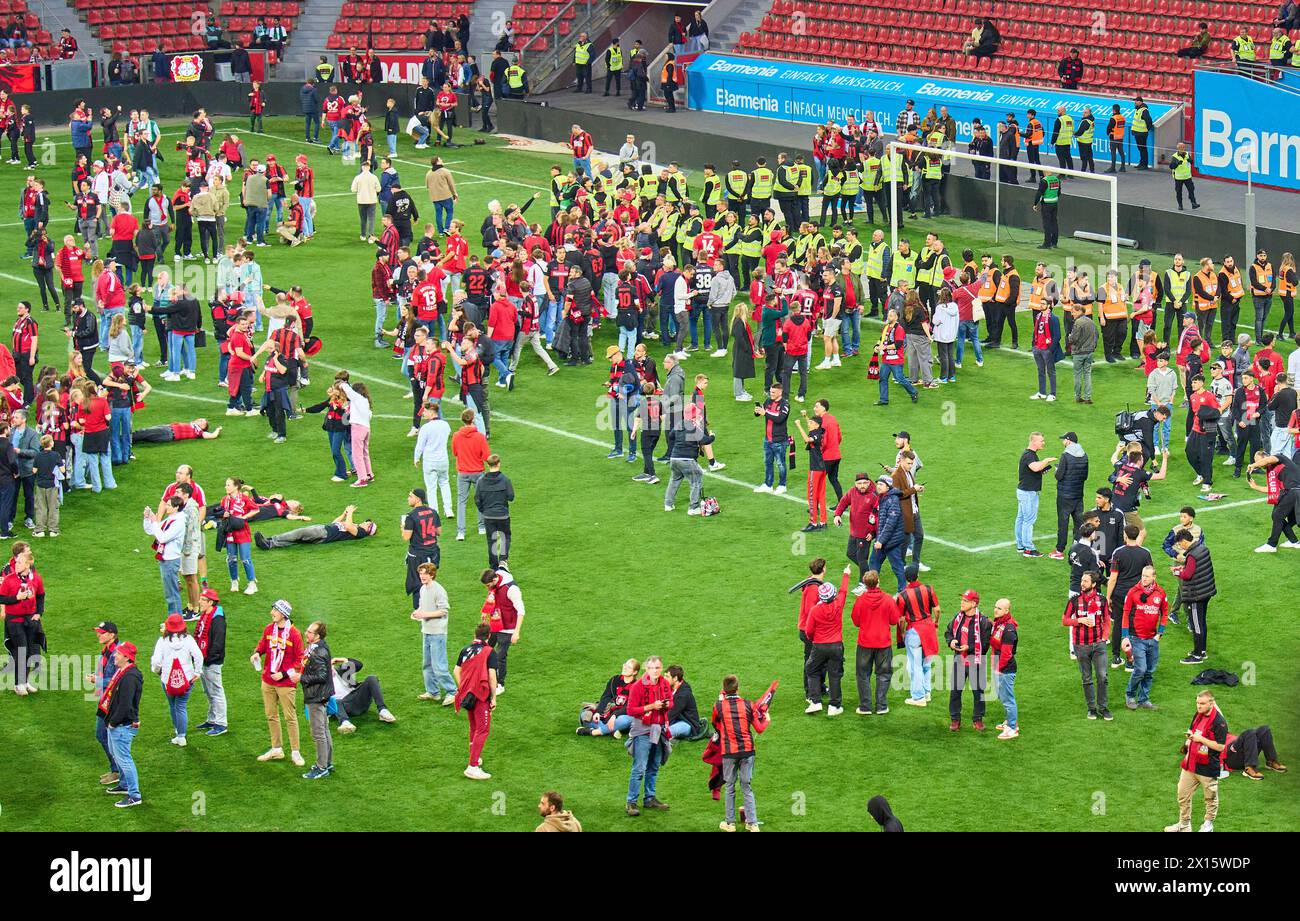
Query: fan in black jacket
point(317, 687)
point(684, 716)
point(85, 336)
point(1071, 477)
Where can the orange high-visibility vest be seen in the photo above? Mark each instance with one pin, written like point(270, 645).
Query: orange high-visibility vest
point(1004, 286)
point(1210, 282)
point(1117, 132)
point(1284, 287)
point(1235, 290)
point(1035, 132)
point(1036, 298)
point(1113, 306)
point(988, 288)
point(1265, 274)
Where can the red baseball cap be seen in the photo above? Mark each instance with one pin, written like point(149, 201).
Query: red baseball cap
point(970, 595)
point(128, 650)
point(210, 594)
point(175, 624)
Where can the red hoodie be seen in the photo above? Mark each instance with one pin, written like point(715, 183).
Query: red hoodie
point(873, 614)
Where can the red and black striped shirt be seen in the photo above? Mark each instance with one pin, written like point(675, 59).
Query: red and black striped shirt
point(736, 721)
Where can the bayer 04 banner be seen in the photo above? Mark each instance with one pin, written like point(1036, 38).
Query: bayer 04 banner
point(794, 92)
point(1246, 128)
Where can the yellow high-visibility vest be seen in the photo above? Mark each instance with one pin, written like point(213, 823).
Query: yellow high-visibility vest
point(615, 60)
point(904, 269)
point(761, 184)
point(582, 52)
point(876, 260)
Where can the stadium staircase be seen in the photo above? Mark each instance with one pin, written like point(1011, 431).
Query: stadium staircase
point(55, 15)
point(486, 18)
point(545, 34)
point(41, 27)
point(1126, 45)
point(310, 35)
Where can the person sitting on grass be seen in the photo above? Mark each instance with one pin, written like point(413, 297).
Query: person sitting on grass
point(341, 528)
point(292, 229)
point(352, 697)
point(609, 716)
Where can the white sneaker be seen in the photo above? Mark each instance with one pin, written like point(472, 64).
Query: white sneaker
point(189, 375)
point(743, 398)
point(179, 741)
point(694, 511)
point(913, 702)
point(31, 688)
point(1179, 826)
point(477, 773)
point(296, 758)
point(835, 362)
point(20, 690)
point(1265, 548)
point(337, 479)
point(718, 353)
point(501, 689)
point(859, 589)
point(234, 412)
point(814, 707)
point(798, 399)
point(1009, 734)
point(168, 376)
point(1199, 479)
point(921, 567)
point(449, 700)
point(668, 508)
point(1207, 825)
point(234, 585)
point(1228, 462)
point(252, 412)
point(681, 356)
point(717, 465)
point(779, 491)
point(1051, 398)
point(1291, 544)
point(413, 432)
point(762, 487)
point(834, 711)
point(346, 726)
point(251, 588)
point(824, 365)
point(387, 716)
point(272, 754)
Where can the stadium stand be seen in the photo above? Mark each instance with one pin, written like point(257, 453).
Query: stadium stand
point(134, 26)
point(530, 17)
point(1125, 44)
point(37, 34)
point(386, 26)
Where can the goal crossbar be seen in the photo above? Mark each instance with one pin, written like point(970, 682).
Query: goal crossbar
point(1111, 181)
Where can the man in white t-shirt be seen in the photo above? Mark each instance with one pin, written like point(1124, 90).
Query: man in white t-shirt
point(431, 457)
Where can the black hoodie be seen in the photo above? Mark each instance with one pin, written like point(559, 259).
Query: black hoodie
point(878, 806)
point(493, 495)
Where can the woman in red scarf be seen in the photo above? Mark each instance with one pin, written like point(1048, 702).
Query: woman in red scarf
point(1206, 739)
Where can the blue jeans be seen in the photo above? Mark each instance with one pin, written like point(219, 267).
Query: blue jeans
point(550, 319)
point(180, 353)
point(667, 323)
point(99, 468)
point(1162, 430)
point(708, 327)
point(276, 204)
point(608, 289)
point(681, 730)
point(421, 134)
point(254, 220)
point(101, 736)
point(918, 666)
point(645, 765)
point(392, 144)
point(381, 315)
point(622, 413)
point(237, 553)
point(1146, 653)
point(443, 211)
point(308, 221)
point(851, 331)
point(334, 134)
point(622, 723)
point(137, 344)
point(627, 340)
point(170, 570)
point(311, 127)
point(80, 463)
point(178, 706)
point(1007, 694)
point(969, 330)
point(1026, 515)
point(437, 677)
point(502, 350)
point(896, 372)
point(119, 742)
point(895, 557)
point(582, 166)
point(120, 440)
point(341, 446)
point(105, 320)
point(774, 453)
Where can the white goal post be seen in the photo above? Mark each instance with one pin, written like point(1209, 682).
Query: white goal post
point(1110, 180)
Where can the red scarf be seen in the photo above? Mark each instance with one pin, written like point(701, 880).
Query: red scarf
point(1197, 752)
point(970, 625)
point(112, 685)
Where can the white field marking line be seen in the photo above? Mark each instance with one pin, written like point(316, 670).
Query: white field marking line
point(791, 497)
point(1165, 516)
